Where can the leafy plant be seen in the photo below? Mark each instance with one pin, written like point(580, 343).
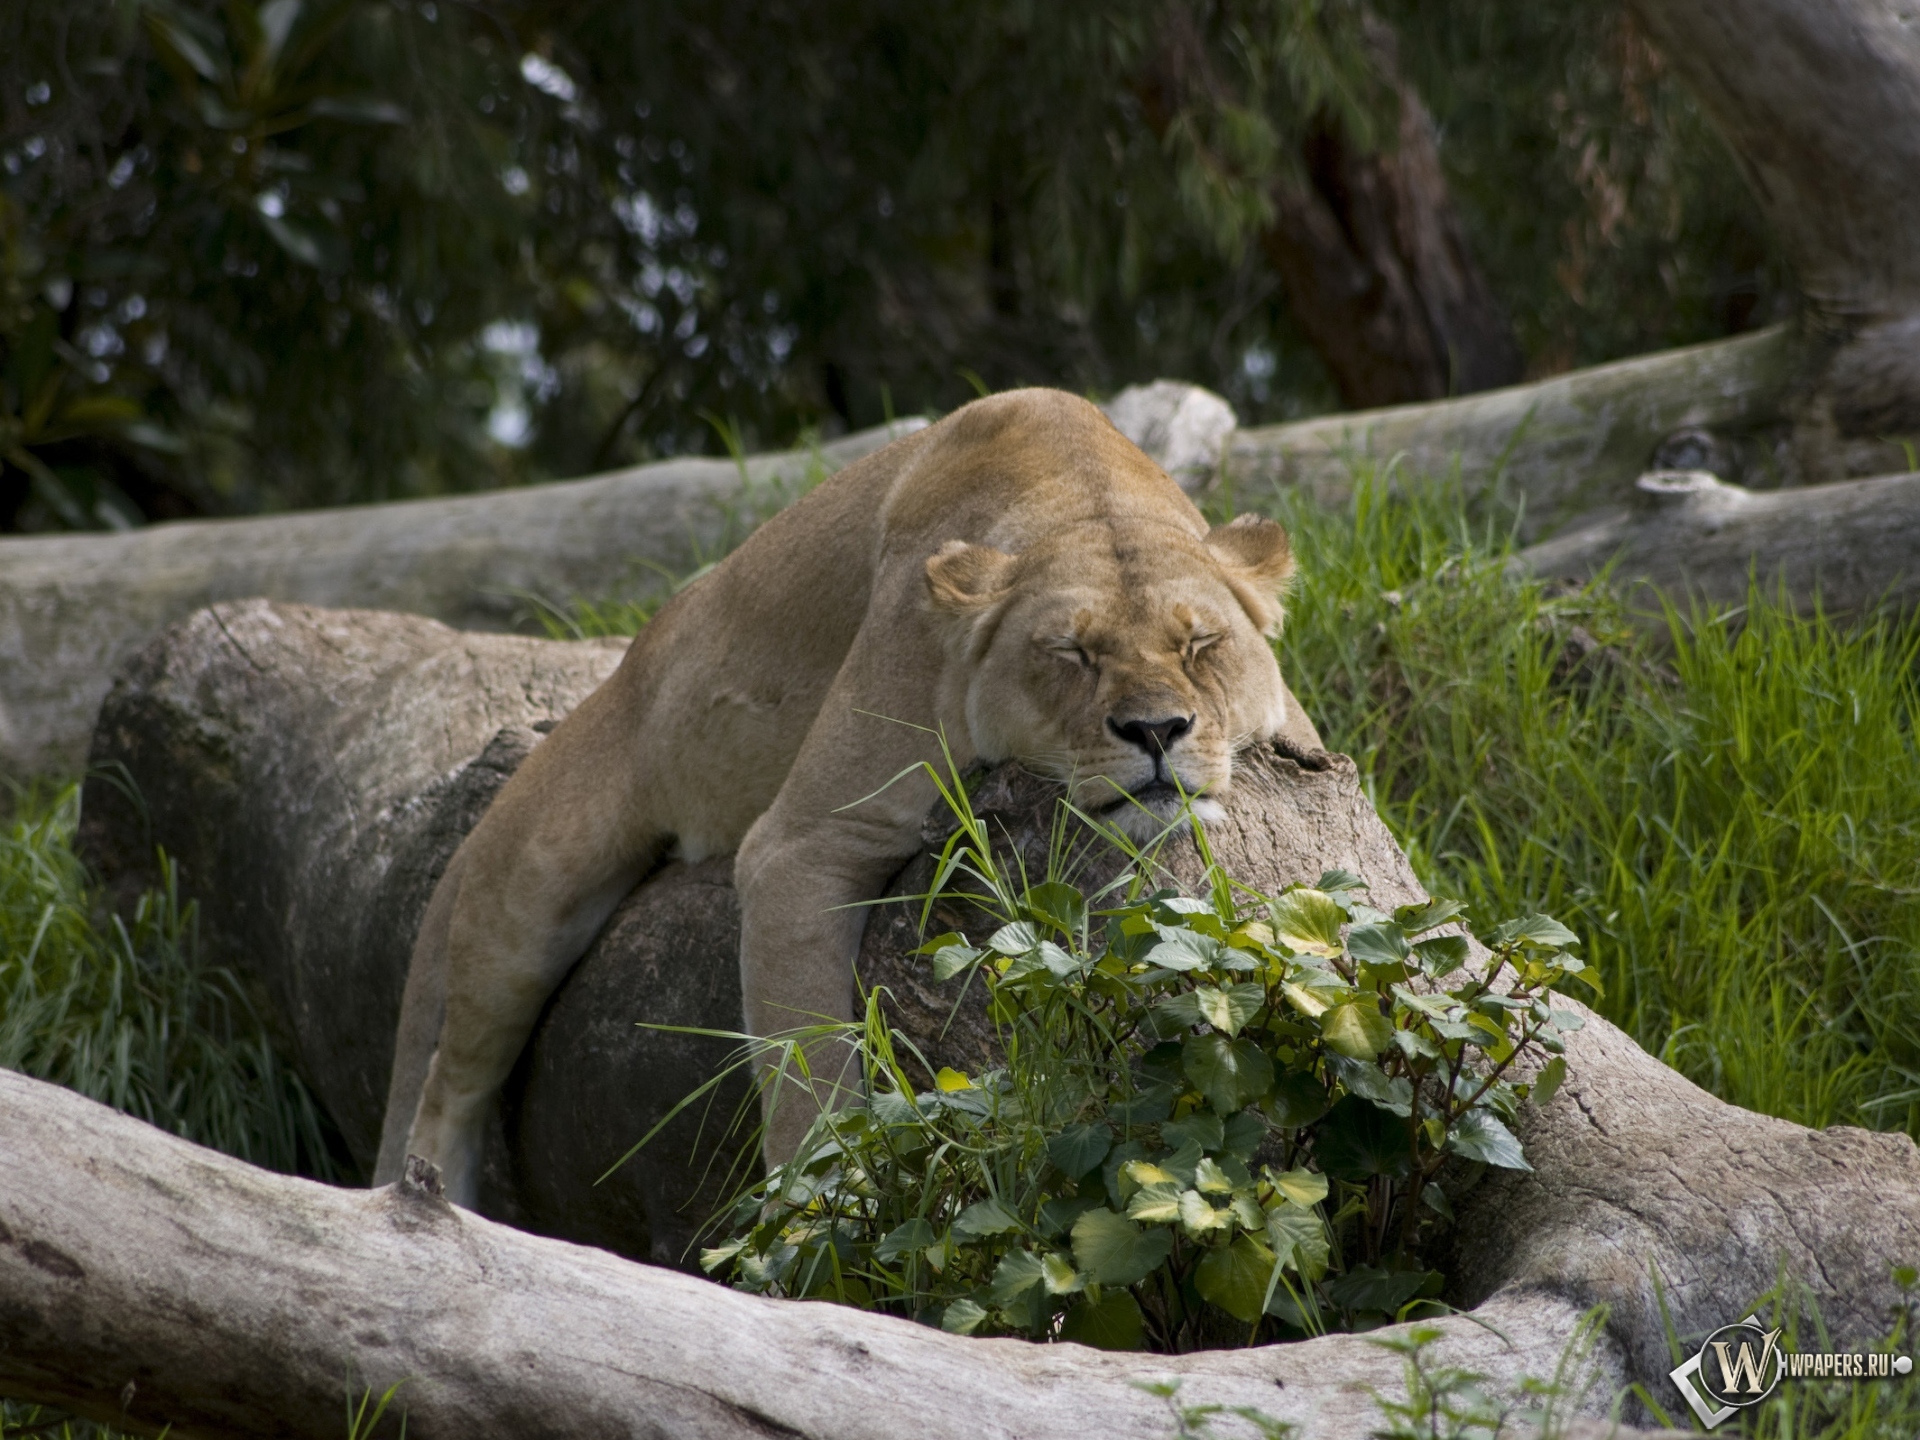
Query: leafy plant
point(1219, 1116)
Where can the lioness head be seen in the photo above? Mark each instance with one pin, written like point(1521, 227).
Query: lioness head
point(1126, 655)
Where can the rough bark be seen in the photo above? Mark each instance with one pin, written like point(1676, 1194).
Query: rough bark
point(146, 1281)
point(1566, 446)
point(72, 607)
point(311, 770)
point(1851, 546)
point(1821, 107)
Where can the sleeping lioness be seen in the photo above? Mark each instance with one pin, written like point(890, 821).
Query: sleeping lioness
point(1018, 577)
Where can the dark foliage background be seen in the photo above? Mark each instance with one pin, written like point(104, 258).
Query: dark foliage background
point(320, 251)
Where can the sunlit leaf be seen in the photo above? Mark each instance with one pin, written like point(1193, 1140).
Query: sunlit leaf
point(1302, 1187)
point(1309, 921)
point(1357, 1030)
point(1230, 1008)
point(962, 1317)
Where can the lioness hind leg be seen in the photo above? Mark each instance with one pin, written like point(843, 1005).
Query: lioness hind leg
point(536, 880)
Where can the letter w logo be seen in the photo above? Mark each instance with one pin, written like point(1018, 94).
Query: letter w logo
point(1745, 1373)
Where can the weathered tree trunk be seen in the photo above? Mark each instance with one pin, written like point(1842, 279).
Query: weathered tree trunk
point(1853, 545)
point(1821, 106)
point(311, 769)
point(1376, 264)
point(1565, 446)
point(72, 607)
point(145, 1281)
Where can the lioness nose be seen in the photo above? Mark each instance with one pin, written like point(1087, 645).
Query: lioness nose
point(1156, 737)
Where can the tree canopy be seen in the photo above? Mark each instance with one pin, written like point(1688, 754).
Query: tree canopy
point(319, 251)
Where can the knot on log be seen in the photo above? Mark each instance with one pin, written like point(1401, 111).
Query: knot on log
point(422, 1175)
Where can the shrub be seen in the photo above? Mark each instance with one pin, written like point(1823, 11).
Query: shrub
point(1219, 1116)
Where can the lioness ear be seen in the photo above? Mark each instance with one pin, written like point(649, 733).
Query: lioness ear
point(1258, 559)
point(965, 578)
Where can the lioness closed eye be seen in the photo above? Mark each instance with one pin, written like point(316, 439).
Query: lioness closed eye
point(1019, 576)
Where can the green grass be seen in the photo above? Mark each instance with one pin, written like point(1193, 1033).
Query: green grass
point(120, 1009)
point(1726, 807)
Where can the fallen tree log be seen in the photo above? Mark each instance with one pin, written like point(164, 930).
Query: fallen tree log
point(1566, 446)
point(1853, 544)
point(72, 607)
point(308, 767)
point(145, 1281)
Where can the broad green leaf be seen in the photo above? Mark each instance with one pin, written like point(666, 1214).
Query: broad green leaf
point(1303, 1187)
point(982, 1218)
point(1370, 1082)
point(1112, 1250)
point(1230, 1008)
point(1186, 950)
point(1357, 1139)
point(1335, 880)
point(1149, 1106)
point(1113, 1323)
point(1310, 1003)
point(1367, 1287)
point(950, 960)
point(1241, 1137)
point(1415, 918)
point(1377, 944)
point(1061, 1277)
point(916, 1234)
point(962, 1317)
point(1230, 1073)
point(1357, 1030)
point(1442, 955)
point(1057, 904)
point(1015, 939)
point(1202, 1128)
point(1018, 1272)
point(712, 1259)
point(1145, 1172)
point(1545, 930)
point(1210, 1179)
point(1547, 1083)
point(1078, 1148)
point(1308, 920)
point(1059, 963)
point(1156, 1204)
point(890, 1107)
point(1298, 1099)
point(1199, 1217)
point(1300, 1238)
point(1177, 1013)
point(1235, 1277)
point(1479, 1136)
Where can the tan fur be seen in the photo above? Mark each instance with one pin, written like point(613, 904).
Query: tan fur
point(1018, 576)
